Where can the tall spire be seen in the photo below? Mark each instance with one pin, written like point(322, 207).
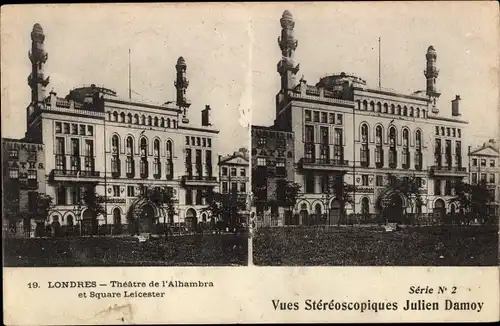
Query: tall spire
point(38, 57)
point(287, 67)
point(431, 73)
point(181, 84)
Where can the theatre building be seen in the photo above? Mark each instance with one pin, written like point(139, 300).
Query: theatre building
point(348, 132)
point(23, 177)
point(94, 138)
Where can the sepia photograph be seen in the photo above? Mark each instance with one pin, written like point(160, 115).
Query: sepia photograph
point(374, 142)
point(122, 141)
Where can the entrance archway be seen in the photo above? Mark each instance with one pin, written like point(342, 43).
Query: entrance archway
point(117, 220)
point(334, 212)
point(439, 210)
point(191, 219)
point(318, 214)
point(146, 219)
point(394, 209)
point(304, 215)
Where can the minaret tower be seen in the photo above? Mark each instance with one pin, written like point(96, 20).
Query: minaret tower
point(181, 84)
point(287, 67)
point(38, 57)
point(431, 73)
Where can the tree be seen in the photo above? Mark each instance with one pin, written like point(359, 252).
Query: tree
point(473, 199)
point(226, 207)
point(408, 186)
point(162, 198)
point(292, 190)
point(44, 203)
point(343, 192)
point(94, 204)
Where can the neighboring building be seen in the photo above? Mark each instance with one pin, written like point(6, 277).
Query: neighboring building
point(234, 174)
point(272, 166)
point(484, 166)
point(23, 165)
point(347, 131)
point(92, 137)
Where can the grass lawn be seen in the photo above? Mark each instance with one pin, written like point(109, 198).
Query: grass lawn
point(188, 250)
point(359, 246)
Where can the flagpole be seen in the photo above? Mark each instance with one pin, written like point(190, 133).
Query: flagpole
point(379, 63)
point(129, 77)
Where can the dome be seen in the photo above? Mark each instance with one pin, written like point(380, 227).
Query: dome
point(37, 28)
point(287, 15)
point(181, 61)
point(431, 49)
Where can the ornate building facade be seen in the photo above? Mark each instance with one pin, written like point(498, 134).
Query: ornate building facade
point(348, 132)
point(484, 167)
point(23, 177)
point(93, 137)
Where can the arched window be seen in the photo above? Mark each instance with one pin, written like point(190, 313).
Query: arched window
point(393, 159)
point(155, 122)
point(122, 117)
point(144, 168)
point(143, 120)
point(365, 206)
point(130, 168)
point(174, 124)
point(319, 216)
point(418, 113)
point(150, 121)
point(372, 106)
point(156, 160)
point(405, 111)
point(398, 110)
point(379, 107)
point(386, 108)
point(418, 150)
point(115, 156)
point(69, 220)
point(379, 150)
point(424, 114)
point(136, 119)
point(162, 122)
point(359, 104)
point(129, 118)
point(170, 162)
point(365, 105)
point(117, 218)
point(411, 111)
point(365, 152)
point(406, 150)
point(168, 122)
point(392, 109)
point(115, 116)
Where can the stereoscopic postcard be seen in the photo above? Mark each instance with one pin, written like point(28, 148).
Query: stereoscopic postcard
point(250, 162)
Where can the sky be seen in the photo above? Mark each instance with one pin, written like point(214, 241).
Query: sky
point(231, 52)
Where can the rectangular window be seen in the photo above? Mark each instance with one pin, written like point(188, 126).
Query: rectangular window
point(14, 173)
point(234, 187)
point(13, 154)
point(379, 180)
point(474, 162)
point(189, 196)
point(339, 119)
point(316, 116)
point(61, 195)
point(66, 128)
point(233, 172)
point(262, 141)
point(483, 162)
point(198, 163)
point(474, 177)
point(32, 175)
point(261, 161)
point(116, 191)
point(280, 169)
point(492, 163)
point(364, 180)
point(243, 187)
point(243, 172)
point(224, 187)
point(193, 141)
point(307, 116)
point(199, 197)
point(58, 127)
point(209, 142)
point(130, 191)
point(74, 129)
point(198, 141)
point(447, 188)
point(90, 131)
point(224, 171)
point(323, 117)
point(492, 178)
point(437, 187)
point(459, 133)
point(437, 131)
point(89, 148)
point(204, 142)
point(82, 130)
point(483, 177)
point(331, 118)
point(129, 166)
point(309, 183)
point(187, 140)
point(309, 134)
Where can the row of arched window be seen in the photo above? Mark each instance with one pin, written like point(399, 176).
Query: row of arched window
point(392, 134)
point(392, 109)
point(142, 120)
point(143, 160)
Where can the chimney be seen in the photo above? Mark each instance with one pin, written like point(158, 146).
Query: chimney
point(455, 107)
point(205, 116)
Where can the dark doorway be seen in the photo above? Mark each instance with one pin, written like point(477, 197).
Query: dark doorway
point(394, 210)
